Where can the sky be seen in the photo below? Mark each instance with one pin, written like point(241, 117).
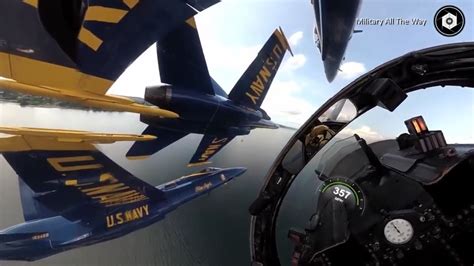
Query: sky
point(233, 31)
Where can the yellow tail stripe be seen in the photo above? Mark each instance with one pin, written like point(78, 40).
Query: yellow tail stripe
point(283, 41)
point(89, 39)
point(72, 182)
point(191, 22)
point(104, 14)
point(33, 3)
point(131, 3)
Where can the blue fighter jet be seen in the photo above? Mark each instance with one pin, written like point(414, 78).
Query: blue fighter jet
point(74, 50)
point(335, 21)
point(203, 105)
point(73, 195)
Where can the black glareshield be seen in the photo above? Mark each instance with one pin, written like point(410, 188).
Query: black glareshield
point(386, 86)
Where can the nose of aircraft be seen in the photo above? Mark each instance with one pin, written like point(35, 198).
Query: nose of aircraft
point(234, 172)
point(331, 68)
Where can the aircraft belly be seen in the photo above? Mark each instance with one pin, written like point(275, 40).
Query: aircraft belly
point(28, 38)
point(198, 187)
point(220, 124)
point(97, 41)
point(338, 20)
point(162, 18)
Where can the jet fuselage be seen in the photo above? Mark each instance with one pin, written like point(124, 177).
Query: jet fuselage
point(41, 238)
point(204, 113)
point(335, 21)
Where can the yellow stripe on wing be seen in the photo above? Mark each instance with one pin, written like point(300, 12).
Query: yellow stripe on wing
point(57, 163)
point(27, 139)
point(136, 158)
point(191, 22)
point(198, 164)
point(67, 84)
point(74, 135)
point(104, 14)
point(131, 3)
point(31, 71)
point(33, 3)
point(90, 39)
point(5, 70)
point(107, 102)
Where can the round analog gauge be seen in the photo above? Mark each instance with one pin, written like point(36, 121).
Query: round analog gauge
point(398, 231)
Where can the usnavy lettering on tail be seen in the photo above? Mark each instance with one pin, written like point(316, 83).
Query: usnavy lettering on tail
point(263, 76)
point(127, 216)
point(216, 144)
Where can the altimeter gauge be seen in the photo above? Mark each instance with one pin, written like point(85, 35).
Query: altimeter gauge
point(398, 231)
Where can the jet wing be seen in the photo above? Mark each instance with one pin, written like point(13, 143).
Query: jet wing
point(62, 173)
point(140, 150)
point(209, 146)
point(74, 50)
point(181, 60)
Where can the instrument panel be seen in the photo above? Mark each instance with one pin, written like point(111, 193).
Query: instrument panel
point(395, 220)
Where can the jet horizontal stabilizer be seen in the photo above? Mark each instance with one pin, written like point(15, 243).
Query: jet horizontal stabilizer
point(141, 150)
point(209, 146)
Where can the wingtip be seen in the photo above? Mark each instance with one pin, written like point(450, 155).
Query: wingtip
point(146, 137)
point(66, 135)
point(136, 158)
point(164, 113)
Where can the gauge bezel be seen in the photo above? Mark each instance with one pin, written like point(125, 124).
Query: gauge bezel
point(409, 239)
point(351, 185)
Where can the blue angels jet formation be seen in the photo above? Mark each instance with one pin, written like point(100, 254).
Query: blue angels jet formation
point(75, 50)
point(73, 195)
point(203, 106)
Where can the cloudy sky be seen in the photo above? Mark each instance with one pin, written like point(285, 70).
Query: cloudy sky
point(233, 31)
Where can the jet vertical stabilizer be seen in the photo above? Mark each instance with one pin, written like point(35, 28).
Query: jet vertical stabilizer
point(252, 87)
